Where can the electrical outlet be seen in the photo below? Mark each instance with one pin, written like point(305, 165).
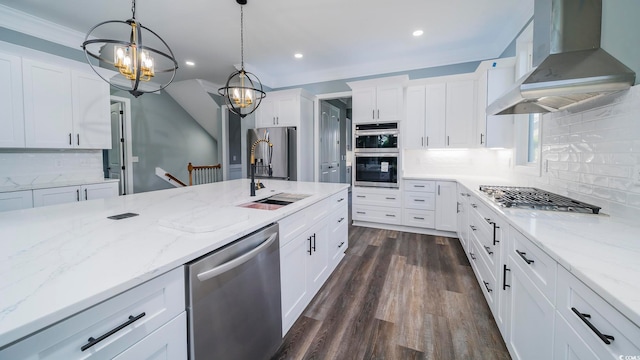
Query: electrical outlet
point(636, 175)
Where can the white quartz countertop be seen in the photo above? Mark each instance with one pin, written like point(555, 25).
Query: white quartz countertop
point(58, 260)
point(601, 251)
point(9, 187)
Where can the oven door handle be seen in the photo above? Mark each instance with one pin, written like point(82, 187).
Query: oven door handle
point(376, 132)
point(376, 154)
point(206, 275)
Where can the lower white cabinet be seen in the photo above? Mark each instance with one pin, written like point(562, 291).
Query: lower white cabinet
point(377, 205)
point(168, 342)
point(16, 200)
point(446, 212)
point(462, 209)
point(568, 345)
point(113, 326)
point(312, 243)
point(68, 194)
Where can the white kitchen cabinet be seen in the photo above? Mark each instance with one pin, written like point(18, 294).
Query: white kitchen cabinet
point(377, 205)
point(440, 115)
point(48, 107)
point(495, 78)
point(16, 200)
point(530, 318)
point(419, 203)
point(11, 107)
point(596, 326)
point(446, 215)
point(279, 109)
point(308, 255)
point(91, 111)
point(379, 100)
point(168, 342)
point(64, 108)
point(568, 345)
point(136, 313)
point(69, 194)
point(460, 113)
point(462, 209)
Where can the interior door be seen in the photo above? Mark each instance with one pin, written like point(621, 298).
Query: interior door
point(114, 167)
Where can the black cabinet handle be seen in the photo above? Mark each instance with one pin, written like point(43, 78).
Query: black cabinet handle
point(78, 195)
point(472, 255)
point(69, 138)
point(472, 227)
point(481, 139)
point(474, 206)
point(418, 186)
point(390, 215)
point(488, 249)
point(78, 137)
point(504, 277)
point(495, 239)
point(360, 212)
point(418, 218)
point(341, 199)
point(341, 220)
point(488, 220)
point(523, 256)
point(486, 285)
point(309, 251)
point(418, 200)
point(339, 246)
point(314, 242)
point(92, 341)
point(361, 196)
point(457, 208)
point(390, 198)
point(86, 197)
point(605, 338)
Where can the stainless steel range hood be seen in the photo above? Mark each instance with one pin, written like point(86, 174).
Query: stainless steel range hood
point(571, 66)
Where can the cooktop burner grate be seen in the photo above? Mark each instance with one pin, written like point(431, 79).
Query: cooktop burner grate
point(535, 199)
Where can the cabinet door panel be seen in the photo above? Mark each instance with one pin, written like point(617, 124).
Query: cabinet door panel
point(55, 196)
point(389, 103)
point(168, 342)
point(364, 103)
point(266, 114)
point(11, 110)
point(414, 126)
point(568, 345)
point(319, 258)
point(91, 119)
point(293, 274)
point(435, 116)
point(47, 105)
point(16, 200)
point(287, 112)
point(446, 206)
point(99, 191)
point(460, 110)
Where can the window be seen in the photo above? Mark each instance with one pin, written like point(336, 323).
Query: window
point(528, 143)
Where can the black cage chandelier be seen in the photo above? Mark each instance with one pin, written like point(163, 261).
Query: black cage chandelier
point(243, 92)
point(136, 61)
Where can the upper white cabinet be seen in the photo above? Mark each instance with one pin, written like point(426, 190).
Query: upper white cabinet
point(91, 111)
point(11, 110)
point(60, 108)
point(495, 78)
point(279, 108)
point(378, 100)
point(440, 114)
point(460, 113)
point(48, 110)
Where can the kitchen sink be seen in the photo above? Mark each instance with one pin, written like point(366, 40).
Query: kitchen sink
point(275, 202)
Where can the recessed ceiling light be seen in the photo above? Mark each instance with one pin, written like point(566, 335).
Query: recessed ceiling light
point(190, 63)
point(418, 33)
point(298, 56)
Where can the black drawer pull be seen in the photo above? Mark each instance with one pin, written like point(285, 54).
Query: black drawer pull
point(361, 196)
point(418, 218)
point(504, 277)
point(474, 206)
point(486, 285)
point(341, 199)
point(418, 200)
point(523, 256)
point(360, 212)
point(495, 238)
point(488, 220)
point(92, 341)
point(314, 242)
point(341, 220)
point(418, 186)
point(488, 249)
point(390, 215)
point(583, 317)
point(309, 251)
point(472, 255)
point(339, 246)
point(472, 227)
point(390, 198)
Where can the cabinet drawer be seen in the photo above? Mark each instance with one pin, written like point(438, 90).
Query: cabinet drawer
point(419, 218)
point(420, 185)
point(338, 218)
point(165, 343)
point(317, 211)
point(160, 300)
point(537, 265)
point(573, 294)
point(386, 215)
point(292, 226)
point(388, 198)
point(339, 199)
point(484, 275)
point(418, 200)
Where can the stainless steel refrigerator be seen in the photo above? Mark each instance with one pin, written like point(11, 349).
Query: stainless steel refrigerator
point(281, 156)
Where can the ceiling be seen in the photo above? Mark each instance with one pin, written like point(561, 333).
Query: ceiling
point(339, 39)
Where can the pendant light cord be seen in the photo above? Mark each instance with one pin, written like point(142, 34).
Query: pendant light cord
point(133, 8)
point(241, 37)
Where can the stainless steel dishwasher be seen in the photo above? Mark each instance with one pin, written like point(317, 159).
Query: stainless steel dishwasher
point(234, 309)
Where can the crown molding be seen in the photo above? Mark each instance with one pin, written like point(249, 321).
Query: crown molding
point(31, 25)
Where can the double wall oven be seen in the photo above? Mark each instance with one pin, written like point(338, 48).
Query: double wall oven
point(376, 155)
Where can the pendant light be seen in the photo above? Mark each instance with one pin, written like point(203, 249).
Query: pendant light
point(136, 61)
point(243, 91)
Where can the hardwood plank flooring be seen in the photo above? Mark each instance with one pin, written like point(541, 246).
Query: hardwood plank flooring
point(397, 295)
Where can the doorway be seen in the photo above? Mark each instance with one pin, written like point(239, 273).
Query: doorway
point(334, 138)
point(118, 160)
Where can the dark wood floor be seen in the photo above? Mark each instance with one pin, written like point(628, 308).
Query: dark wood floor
point(397, 295)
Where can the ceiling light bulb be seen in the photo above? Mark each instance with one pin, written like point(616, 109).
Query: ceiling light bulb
point(418, 33)
point(298, 56)
point(190, 63)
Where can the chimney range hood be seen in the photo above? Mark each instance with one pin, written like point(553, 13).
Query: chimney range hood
point(571, 66)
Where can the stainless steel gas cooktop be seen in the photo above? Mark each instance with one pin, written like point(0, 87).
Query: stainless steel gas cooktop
point(535, 199)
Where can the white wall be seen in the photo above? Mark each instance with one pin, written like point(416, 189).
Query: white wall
point(49, 166)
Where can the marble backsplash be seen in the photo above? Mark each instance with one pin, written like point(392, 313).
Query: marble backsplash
point(36, 167)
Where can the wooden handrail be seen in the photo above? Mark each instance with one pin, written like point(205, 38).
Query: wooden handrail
point(171, 177)
point(207, 172)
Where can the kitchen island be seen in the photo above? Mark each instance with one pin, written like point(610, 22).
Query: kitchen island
point(60, 260)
